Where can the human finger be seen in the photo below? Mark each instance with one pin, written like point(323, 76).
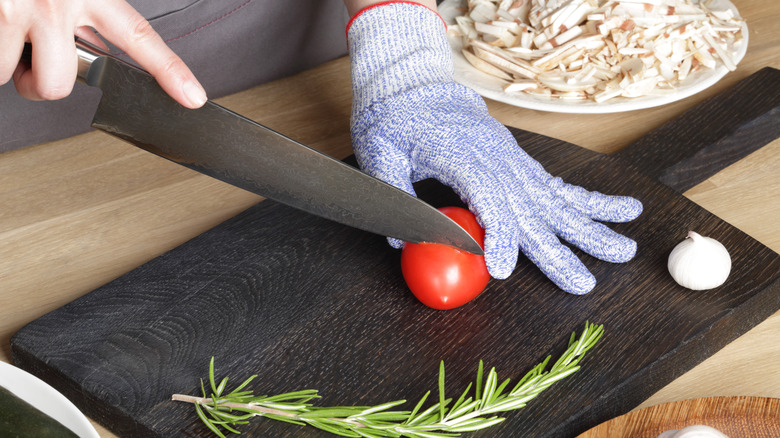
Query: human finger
point(13, 30)
point(87, 34)
point(9, 56)
point(131, 32)
point(53, 67)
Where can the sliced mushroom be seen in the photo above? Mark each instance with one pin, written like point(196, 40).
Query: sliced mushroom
point(485, 66)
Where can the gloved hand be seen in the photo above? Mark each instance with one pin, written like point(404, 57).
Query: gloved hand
point(411, 121)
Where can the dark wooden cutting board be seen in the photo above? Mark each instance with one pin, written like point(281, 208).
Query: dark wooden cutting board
point(307, 303)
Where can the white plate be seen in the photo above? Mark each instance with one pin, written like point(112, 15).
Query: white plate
point(39, 394)
point(492, 88)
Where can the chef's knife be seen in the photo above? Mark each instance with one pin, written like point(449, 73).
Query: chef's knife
point(222, 144)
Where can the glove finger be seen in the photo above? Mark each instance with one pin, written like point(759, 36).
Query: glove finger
point(501, 236)
point(396, 177)
point(592, 237)
point(395, 243)
point(603, 243)
point(485, 192)
point(598, 206)
point(487, 202)
point(389, 166)
point(555, 260)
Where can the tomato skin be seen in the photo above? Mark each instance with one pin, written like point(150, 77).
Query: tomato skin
point(444, 277)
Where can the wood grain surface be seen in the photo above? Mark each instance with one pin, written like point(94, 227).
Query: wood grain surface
point(743, 417)
point(301, 299)
point(80, 212)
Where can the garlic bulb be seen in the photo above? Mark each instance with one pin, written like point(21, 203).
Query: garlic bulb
point(699, 262)
point(695, 431)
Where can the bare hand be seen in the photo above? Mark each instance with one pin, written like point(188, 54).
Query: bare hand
point(50, 26)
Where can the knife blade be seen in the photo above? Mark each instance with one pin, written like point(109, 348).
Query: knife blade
point(232, 148)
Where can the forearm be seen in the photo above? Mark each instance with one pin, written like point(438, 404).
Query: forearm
point(354, 6)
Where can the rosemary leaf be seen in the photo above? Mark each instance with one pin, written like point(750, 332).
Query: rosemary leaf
point(476, 424)
point(329, 412)
point(208, 422)
point(303, 396)
point(384, 416)
point(478, 396)
point(506, 405)
point(413, 414)
point(284, 418)
point(382, 407)
point(430, 435)
point(460, 401)
point(211, 375)
point(441, 390)
point(467, 407)
point(426, 417)
point(221, 386)
point(334, 430)
point(500, 389)
point(490, 387)
point(243, 385)
point(371, 434)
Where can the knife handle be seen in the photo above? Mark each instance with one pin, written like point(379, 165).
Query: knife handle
point(86, 52)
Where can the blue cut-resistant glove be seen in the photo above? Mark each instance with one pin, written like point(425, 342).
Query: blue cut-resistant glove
point(411, 121)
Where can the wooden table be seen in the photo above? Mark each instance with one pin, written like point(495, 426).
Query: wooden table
point(80, 212)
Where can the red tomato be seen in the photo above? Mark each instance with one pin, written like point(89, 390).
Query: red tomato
point(442, 276)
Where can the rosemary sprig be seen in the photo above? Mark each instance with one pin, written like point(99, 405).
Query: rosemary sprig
point(444, 419)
